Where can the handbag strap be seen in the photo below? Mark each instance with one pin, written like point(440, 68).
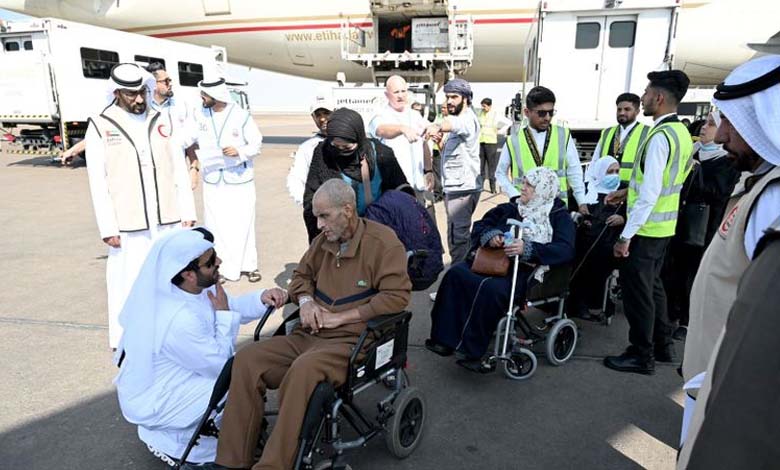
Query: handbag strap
point(369, 197)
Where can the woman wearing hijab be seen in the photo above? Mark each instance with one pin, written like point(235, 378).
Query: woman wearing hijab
point(718, 178)
point(469, 305)
point(595, 238)
point(341, 155)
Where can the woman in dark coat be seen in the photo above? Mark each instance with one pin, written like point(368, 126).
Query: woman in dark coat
point(340, 156)
point(469, 306)
point(595, 238)
point(711, 182)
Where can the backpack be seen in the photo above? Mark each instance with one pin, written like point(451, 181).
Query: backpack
point(416, 229)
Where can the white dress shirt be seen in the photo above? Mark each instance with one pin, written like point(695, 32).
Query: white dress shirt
point(656, 157)
point(573, 167)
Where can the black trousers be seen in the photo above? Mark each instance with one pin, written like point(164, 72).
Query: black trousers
point(438, 190)
point(488, 161)
point(682, 263)
point(644, 298)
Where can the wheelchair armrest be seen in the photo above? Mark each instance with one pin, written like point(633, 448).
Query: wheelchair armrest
point(261, 323)
point(380, 322)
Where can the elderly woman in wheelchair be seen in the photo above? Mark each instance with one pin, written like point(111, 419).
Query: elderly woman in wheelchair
point(473, 297)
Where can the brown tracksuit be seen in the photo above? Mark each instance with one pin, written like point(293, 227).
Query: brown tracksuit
point(375, 260)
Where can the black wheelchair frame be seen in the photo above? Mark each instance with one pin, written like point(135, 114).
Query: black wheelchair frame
point(379, 356)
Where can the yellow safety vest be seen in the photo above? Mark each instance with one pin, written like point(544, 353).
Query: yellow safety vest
point(662, 221)
point(488, 132)
point(554, 158)
point(627, 154)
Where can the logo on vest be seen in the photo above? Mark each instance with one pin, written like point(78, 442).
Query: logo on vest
point(113, 137)
point(162, 129)
point(723, 230)
point(235, 133)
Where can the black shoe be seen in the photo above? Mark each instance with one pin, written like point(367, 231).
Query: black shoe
point(438, 348)
point(629, 362)
point(476, 365)
point(665, 353)
point(680, 333)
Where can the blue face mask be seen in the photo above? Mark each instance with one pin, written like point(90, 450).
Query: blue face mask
point(710, 146)
point(610, 182)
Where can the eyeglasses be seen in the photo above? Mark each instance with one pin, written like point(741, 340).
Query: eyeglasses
point(209, 262)
point(167, 81)
point(545, 112)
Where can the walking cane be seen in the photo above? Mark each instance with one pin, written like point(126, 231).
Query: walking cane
point(517, 227)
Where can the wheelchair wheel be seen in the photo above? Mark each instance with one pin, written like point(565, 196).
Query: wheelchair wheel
point(560, 342)
point(405, 427)
point(522, 366)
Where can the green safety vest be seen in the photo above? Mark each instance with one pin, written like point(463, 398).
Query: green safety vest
point(554, 158)
point(628, 153)
point(488, 132)
point(662, 221)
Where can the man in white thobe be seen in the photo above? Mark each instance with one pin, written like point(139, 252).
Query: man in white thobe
point(138, 181)
point(401, 128)
point(180, 328)
point(228, 141)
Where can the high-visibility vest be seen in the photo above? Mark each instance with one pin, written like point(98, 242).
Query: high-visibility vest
point(662, 221)
point(628, 152)
point(488, 132)
point(554, 158)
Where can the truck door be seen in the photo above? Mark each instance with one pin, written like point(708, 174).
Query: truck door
point(26, 93)
point(616, 63)
point(586, 58)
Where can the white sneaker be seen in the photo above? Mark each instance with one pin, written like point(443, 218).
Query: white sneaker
point(432, 296)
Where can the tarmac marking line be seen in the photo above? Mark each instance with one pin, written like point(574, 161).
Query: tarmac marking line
point(64, 324)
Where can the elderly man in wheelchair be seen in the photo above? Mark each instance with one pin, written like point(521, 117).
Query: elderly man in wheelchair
point(353, 273)
point(472, 300)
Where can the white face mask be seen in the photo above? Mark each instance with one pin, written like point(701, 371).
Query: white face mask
point(610, 182)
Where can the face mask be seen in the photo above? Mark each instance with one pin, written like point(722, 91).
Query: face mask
point(710, 146)
point(610, 182)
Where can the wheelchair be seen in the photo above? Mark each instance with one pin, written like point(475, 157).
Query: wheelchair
point(517, 338)
point(379, 358)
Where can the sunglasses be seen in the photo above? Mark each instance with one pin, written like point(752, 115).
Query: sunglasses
point(167, 81)
point(545, 112)
point(209, 262)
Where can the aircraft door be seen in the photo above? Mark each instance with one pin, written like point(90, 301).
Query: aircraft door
point(617, 62)
point(216, 7)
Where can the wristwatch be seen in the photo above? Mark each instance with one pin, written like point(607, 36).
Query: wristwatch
point(425, 172)
point(623, 240)
point(304, 299)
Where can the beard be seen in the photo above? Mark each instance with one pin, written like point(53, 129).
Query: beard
point(205, 281)
point(138, 108)
point(456, 110)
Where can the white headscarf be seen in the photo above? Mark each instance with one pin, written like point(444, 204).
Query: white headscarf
point(146, 316)
point(217, 89)
point(129, 76)
point(536, 212)
point(595, 176)
point(712, 150)
point(757, 116)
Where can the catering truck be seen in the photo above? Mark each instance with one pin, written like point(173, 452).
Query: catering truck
point(55, 75)
point(590, 51)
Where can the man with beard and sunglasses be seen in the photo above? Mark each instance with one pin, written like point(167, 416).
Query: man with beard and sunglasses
point(748, 131)
point(138, 181)
point(180, 328)
point(366, 164)
point(541, 143)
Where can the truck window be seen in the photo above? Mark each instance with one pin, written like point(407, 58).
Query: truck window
point(96, 63)
point(11, 46)
point(190, 74)
point(28, 45)
point(587, 36)
point(147, 60)
point(621, 34)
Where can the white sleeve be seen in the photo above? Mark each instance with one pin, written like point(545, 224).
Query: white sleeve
point(181, 175)
point(374, 124)
point(296, 178)
point(650, 190)
point(574, 172)
point(196, 347)
point(253, 139)
point(765, 212)
point(248, 306)
point(459, 125)
point(502, 173)
point(98, 185)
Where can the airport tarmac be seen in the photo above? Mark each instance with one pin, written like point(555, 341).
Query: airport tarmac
point(58, 407)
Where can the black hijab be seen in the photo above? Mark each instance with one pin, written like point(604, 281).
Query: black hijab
point(348, 125)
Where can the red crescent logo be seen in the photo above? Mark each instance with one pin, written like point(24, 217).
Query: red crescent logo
point(160, 129)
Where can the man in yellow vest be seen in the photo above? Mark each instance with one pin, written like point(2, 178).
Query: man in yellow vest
point(622, 141)
point(541, 143)
point(489, 122)
point(653, 199)
point(138, 180)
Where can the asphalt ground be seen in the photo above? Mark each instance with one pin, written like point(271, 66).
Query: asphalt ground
point(58, 407)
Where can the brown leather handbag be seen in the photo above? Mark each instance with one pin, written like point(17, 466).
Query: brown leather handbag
point(490, 262)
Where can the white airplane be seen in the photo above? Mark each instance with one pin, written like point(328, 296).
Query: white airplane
point(303, 37)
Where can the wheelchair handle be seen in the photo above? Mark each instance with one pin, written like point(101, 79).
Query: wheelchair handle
point(268, 311)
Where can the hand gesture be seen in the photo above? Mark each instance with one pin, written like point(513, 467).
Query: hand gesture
point(219, 301)
point(113, 242)
point(515, 249)
point(275, 296)
point(616, 197)
point(410, 135)
point(615, 220)
point(312, 316)
point(230, 152)
point(496, 242)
